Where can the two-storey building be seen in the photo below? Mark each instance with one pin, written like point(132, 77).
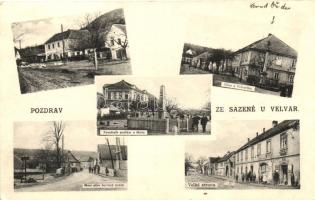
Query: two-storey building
point(123, 94)
point(276, 150)
point(267, 62)
point(65, 44)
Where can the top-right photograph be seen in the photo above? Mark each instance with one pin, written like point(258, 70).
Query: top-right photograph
point(266, 65)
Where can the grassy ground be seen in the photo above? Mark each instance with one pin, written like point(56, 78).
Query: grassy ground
point(71, 74)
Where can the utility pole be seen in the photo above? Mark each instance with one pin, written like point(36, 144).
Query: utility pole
point(63, 43)
point(110, 152)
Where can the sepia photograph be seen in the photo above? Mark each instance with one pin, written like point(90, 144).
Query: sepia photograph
point(259, 60)
point(67, 156)
point(241, 159)
point(175, 105)
point(69, 51)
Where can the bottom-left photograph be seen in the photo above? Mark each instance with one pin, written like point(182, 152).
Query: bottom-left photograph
point(67, 156)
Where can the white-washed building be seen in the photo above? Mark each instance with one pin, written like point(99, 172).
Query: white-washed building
point(116, 40)
point(274, 150)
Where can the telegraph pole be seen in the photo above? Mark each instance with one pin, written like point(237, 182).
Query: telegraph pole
point(63, 43)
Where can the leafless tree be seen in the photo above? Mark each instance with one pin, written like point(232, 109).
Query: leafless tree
point(97, 29)
point(171, 104)
point(54, 138)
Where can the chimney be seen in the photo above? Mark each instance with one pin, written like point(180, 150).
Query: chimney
point(274, 123)
point(264, 130)
point(256, 134)
point(248, 139)
point(269, 34)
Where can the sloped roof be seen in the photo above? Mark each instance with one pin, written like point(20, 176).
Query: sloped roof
point(284, 125)
point(85, 156)
point(103, 151)
point(204, 55)
point(273, 44)
point(122, 85)
point(18, 163)
point(69, 34)
point(225, 157)
point(72, 158)
point(121, 27)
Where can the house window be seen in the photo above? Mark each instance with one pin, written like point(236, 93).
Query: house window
point(242, 156)
point(53, 46)
point(284, 141)
point(119, 41)
point(252, 152)
point(246, 154)
point(49, 46)
point(276, 76)
point(291, 78)
point(293, 63)
point(258, 149)
point(58, 44)
point(278, 60)
point(126, 96)
point(268, 146)
point(112, 42)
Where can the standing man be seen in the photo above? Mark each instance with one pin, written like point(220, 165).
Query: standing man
point(204, 121)
point(195, 123)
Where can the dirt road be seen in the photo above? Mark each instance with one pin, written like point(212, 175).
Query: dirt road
point(74, 182)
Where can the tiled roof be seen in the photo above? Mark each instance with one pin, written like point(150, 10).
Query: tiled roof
point(284, 125)
point(69, 34)
point(103, 151)
point(225, 157)
point(273, 44)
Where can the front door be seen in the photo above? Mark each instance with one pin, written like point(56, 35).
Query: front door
point(284, 174)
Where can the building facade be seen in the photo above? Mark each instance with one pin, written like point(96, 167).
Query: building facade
point(65, 44)
point(222, 166)
point(124, 95)
point(267, 62)
point(116, 40)
point(276, 150)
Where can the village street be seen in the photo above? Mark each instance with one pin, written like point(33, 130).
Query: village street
point(74, 182)
point(225, 183)
point(68, 75)
point(218, 78)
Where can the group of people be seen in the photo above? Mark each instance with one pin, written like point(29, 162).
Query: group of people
point(203, 121)
point(95, 169)
point(251, 177)
point(247, 177)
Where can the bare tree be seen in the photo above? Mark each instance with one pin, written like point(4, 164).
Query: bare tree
point(95, 39)
point(171, 104)
point(54, 138)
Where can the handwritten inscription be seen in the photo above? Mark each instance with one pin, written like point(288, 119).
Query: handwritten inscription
point(273, 4)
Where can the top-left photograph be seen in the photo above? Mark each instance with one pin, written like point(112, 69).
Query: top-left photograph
point(69, 51)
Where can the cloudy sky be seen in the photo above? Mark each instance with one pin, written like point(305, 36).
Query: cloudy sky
point(39, 31)
point(230, 135)
point(189, 91)
point(78, 135)
point(223, 32)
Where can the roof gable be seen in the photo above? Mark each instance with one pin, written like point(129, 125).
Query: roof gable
point(273, 44)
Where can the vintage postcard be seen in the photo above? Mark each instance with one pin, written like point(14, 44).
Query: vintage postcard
point(260, 60)
point(65, 52)
point(154, 105)
point(269, 159)
point(67, 156)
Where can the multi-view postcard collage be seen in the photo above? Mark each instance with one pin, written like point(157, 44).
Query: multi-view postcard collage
point(214, 55)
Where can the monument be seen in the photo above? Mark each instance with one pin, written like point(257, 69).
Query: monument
point(162, 103)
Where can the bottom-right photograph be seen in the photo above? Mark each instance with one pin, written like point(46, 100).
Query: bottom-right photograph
point(246, 154)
